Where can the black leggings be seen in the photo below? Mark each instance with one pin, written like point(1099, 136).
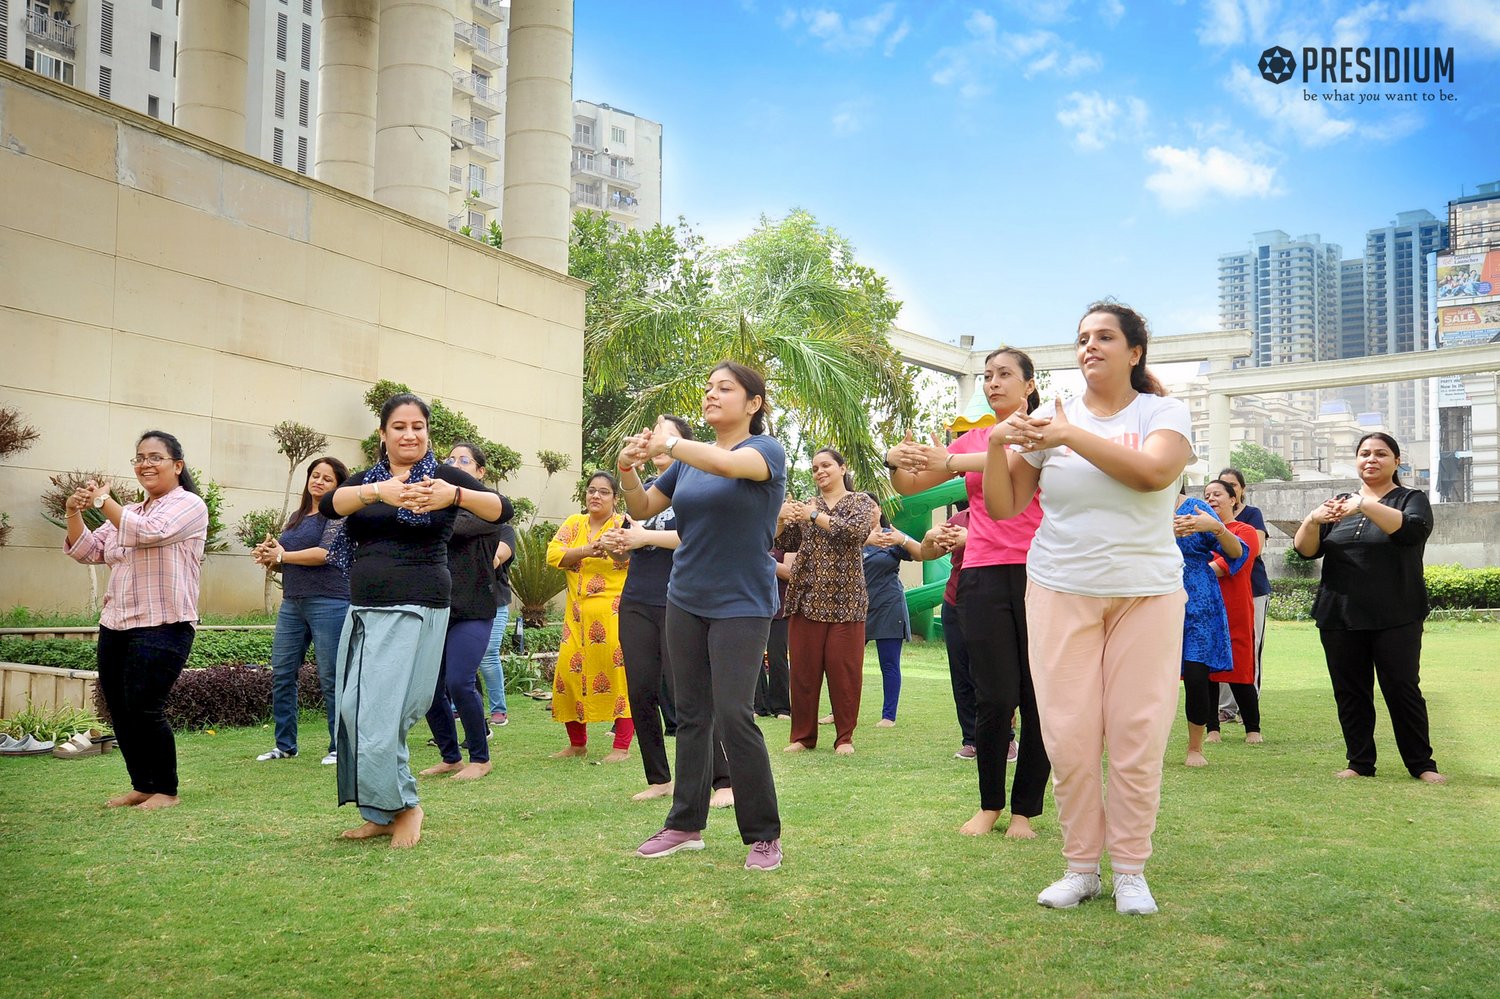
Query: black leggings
point(1200, 694)
point(137, 668)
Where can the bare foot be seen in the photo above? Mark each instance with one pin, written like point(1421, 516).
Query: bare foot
point(653, 791)
point(1253, 738)
point(826, 720)
point(722, 798)
point(847, 749)
point(443, 768)
point(796, 747)
point(369, 830)
point(157, 801)
point(886, 723)
point(1432, 777)
point(1213, 737)
point(616, 756)
point(473, 771)
point(983, 822)
point(1195, 760)
point(571, 751)
point(1019, 828)
point(406, 829)
point(1345, 774)
point(127, 799)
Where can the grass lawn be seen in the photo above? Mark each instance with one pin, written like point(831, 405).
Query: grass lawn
point(1274, 878)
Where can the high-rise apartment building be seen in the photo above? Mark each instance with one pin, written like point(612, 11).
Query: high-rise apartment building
point(1287, 293)
point(616, 163)
point(1399, 262)
point(126, 52)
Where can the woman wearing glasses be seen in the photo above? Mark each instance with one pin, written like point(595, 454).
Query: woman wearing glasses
point(589, 683)
point(153, 550)
point(471, 614)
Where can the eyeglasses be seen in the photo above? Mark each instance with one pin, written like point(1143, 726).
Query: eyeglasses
point(598, 492)
point(459, 460)
point(149, 459)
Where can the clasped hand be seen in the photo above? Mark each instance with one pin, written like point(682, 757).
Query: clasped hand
point(425, 494)
point(1333, 510)
point(911, 455)
point(948, 537)
point(83, 497)
point(1033, 433)
point(1194, 523)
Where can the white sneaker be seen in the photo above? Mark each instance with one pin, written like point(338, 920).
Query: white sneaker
point(330, 759)
point(1132, 896)
point(1068, 891)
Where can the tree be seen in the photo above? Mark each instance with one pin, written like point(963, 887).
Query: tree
point(791, 300)
point(15, 436)
point(445, 426)
point(298, 443)
point(1259, 464)
point(253, 528)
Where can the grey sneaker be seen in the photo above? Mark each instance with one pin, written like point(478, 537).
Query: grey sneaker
point(668, 842)
point(1069, 890)
point(276, 754)
point(764, 856)
point(1133, 896)
point(331, 759)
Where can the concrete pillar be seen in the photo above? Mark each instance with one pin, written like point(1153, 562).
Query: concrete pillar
point(213, 49)
point(415, 88)
point(536, 214)
point(347, 65)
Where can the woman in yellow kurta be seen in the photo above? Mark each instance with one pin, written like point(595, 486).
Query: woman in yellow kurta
point(589, 684)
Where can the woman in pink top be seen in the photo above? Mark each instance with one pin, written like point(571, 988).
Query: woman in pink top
point(991, 601)
point(153, 550)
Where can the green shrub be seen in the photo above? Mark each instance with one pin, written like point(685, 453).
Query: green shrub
point(210, 648)
point(1456, 588)
point(226, 695)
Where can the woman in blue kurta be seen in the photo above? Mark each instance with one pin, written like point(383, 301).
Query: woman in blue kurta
point(888, 623)
point(1205, 629)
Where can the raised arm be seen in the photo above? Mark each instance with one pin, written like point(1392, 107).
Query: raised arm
point(1009, 479)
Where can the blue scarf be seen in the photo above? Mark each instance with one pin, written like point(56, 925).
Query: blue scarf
point(427, 468)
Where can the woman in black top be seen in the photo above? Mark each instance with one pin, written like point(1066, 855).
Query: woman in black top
point(1370, 606)
point(471, 615)
point(314, 603)
point(400, 515)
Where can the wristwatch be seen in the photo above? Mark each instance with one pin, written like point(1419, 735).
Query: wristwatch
point(812, 516)
point(671, 443)
point(99, 501)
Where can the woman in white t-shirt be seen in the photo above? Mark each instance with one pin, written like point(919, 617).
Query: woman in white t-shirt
point(1104, 598)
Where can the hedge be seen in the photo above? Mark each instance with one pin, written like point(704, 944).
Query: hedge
point(1449, 587)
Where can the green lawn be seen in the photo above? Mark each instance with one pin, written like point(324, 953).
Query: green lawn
point(1273, 878)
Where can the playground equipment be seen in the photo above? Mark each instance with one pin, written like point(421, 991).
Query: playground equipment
point(915, 518)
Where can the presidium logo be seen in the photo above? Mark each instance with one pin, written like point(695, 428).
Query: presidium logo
point(1380, 64)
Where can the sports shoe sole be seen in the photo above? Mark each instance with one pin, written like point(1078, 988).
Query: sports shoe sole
point(774, 867)
point(692, 844)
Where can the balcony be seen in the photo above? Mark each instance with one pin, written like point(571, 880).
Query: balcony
point(485, 98)
point(616, 171)
point(484, 195)
point(583, 135)
point(489, 10)
point(623, 202)
point(59, 34)
point(455, 178)
point(481, 144)
point(587, 199)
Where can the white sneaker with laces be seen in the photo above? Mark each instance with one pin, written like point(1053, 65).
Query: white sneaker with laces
point(331, 759)
point(1132, 896)
point(1069, 890)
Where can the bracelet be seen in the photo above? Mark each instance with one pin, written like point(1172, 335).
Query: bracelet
point(374, 493)
point(630, 489)
point(894, 468)
point(948, 464)
point(458, 495)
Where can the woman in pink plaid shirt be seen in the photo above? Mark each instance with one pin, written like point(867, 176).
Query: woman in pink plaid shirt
point(154, 550)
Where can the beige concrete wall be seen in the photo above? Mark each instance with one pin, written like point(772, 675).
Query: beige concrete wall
point(153, 279)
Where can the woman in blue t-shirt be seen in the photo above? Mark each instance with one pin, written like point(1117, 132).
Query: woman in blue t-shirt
point(312, 557)
point(720, 599)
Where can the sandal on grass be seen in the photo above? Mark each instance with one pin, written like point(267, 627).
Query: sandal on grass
point(79, 745)
point(29, 746)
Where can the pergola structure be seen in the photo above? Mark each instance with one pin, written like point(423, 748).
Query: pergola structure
point(1219, 348)
point(385, 84)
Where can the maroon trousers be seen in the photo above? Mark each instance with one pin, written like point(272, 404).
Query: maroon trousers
point(816, 648)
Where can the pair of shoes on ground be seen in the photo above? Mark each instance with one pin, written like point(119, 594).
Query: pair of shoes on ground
point(91, 743)
point(763, 856)
point(27, 745)
point(1132, 894)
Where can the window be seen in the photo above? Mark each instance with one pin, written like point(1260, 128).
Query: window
point(4, 29)
point(481, 129)
point(155, 56)
point(302, 154)
point(584, 161)
point(616, 133)
point(476, 176)
point(106, 80)
point(476, 223)
point(280, 98)
point(153, 106)
point(307, 46)
point(156, 4)
point(278, 141)
point(106, 28)
point(49, 66)
point(281, 37)
point(302, 103)
point(482, 84)
point(583, 134)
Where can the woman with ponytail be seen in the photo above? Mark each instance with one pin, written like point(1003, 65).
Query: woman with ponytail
point(1104, 597)
point(154, 550)
point(826, 600)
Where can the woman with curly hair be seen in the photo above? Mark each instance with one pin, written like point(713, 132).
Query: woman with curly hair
point(589, 684)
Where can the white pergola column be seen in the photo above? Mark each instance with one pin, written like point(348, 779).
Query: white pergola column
point(413, 107)
point(347, 72)
point(1218, 421)
point(536, 214)
point(213, 47)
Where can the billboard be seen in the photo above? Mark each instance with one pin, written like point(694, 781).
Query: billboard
point(1467, 319)
point(1468, 275)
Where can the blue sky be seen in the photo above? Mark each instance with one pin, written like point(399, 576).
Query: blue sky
point(1006, 162)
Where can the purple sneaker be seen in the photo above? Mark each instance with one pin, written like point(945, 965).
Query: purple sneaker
point(669, 841)
point(965, 753)
point(764, 856)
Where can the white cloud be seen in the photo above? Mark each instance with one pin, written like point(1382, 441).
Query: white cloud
point(837, 33)
point(1110, 11)
point(1042, 11)
point(1468, 20)
point(1353, 29)
point(1309, 121)
point(1229, 22)
point(850, 117)
point(970, 64)
point(896, 37)
point(1097, 121)
point(1186, 177)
